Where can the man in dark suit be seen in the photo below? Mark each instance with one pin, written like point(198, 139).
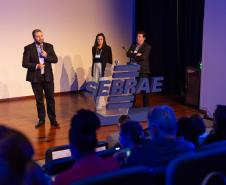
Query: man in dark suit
point(139, 52)
point(37, 58)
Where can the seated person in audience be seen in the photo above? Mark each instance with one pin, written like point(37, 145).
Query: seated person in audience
point(113, 139)
point(131, 136)
point(83, 141)
point(164, 146)
point(200, 128)
point(219, 126)
point(191, 128)
point(16, 152)
point(35, 176)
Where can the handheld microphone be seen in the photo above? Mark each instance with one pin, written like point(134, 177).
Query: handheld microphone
point(41, 46)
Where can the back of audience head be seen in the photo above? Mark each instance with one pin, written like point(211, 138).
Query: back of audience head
point(82, 134)
point(162, 122)
point(131, 134)
point(16, 151)
point(220, 121)
point(199, 124)
point(191, 128)
point(123, 119)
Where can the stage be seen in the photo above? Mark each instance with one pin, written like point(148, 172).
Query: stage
point(21, 114)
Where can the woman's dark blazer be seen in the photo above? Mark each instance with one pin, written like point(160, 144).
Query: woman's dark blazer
point(106, 57)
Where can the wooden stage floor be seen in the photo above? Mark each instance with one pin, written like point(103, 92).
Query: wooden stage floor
point(21, 115)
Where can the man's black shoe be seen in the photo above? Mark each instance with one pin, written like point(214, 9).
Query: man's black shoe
point(40, 123)
point(55, 124)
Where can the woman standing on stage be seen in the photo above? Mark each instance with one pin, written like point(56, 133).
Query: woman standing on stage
point(101, 56)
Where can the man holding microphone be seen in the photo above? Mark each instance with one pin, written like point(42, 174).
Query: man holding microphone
point(37, 58)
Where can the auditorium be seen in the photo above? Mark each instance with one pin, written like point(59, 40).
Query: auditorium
point(113, 92)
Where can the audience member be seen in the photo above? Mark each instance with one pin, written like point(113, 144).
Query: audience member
point(83, 141)
point(113, 139)
point(164, 146)
point(191, 129)
point(219, 128)
point(131, 135)
point(16, 153)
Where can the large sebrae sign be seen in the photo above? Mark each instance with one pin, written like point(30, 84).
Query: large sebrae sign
point(123, 86)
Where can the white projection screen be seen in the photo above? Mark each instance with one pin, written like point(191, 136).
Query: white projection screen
point(71, 26)
point(213, 85)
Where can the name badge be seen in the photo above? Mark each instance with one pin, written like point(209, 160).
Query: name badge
point(97, 56)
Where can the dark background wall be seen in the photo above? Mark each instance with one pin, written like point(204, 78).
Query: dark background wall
point(174, 29)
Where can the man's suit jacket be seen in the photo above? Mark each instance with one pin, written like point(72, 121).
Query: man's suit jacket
point(143, 60)
point(30, 60)
point(106, 57)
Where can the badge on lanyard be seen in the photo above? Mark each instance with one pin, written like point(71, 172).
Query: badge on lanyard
point(97, 56)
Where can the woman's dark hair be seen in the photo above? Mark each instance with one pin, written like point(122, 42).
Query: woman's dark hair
point(191, 128)
point(104, 40)
point(134, 130)
point(198, 123)
point(82, 134)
